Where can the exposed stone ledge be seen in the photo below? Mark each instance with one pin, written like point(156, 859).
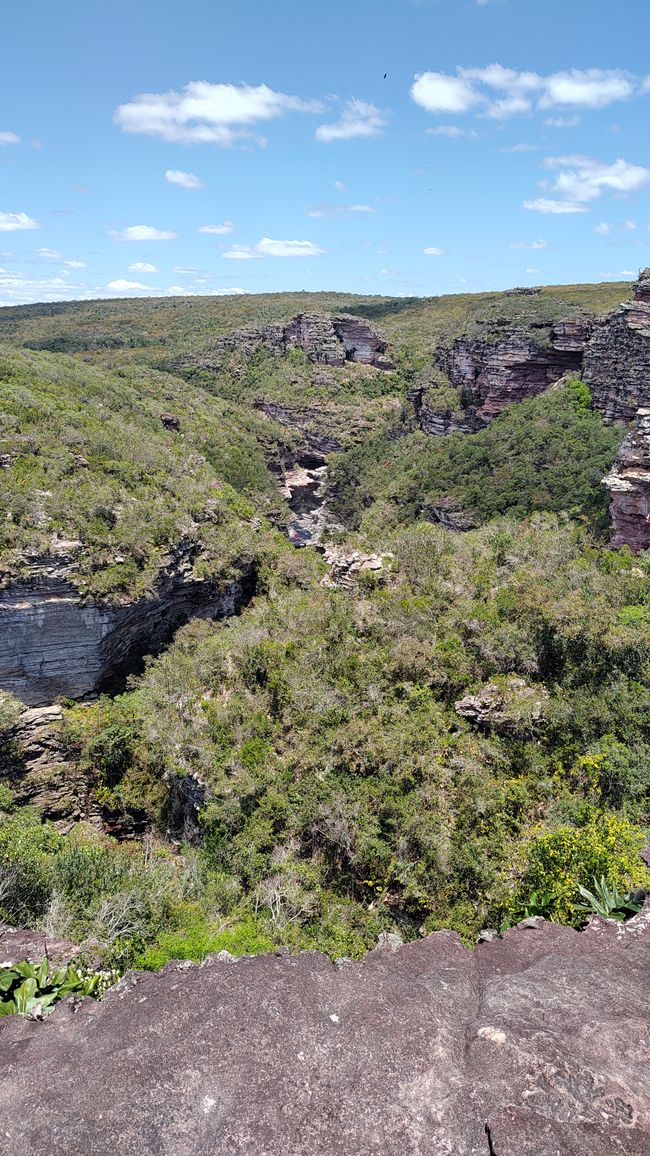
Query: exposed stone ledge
point(540, 1037)
point(53, 644)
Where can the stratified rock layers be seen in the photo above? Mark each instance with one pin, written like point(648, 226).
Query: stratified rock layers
point(629, 485)
point(325, 340)
point(493, 374)
point(54, 645)
point(617, 357)
point(534, 1045)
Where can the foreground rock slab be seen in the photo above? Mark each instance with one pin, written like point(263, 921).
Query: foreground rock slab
point(534, 1044)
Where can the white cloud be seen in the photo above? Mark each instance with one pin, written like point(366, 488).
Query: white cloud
point(453, 131)
point(433, 251)
point(143, 233)
point(546, 205)
point(580, 180)
point(519, 148)
point(438, 92)
point(75, 264)
point(532, 270)
point(583, 179)
point(528, 245)
point(267, 247)
point(121, 285)
point(142, 267)
point(7, 138)
point(48, 253)
point(629, 225)
point(499, 92)
point(563, 121)
point(16, 222)
point(603, 228)
point(358, 118)
point(340, 186)
point(204, 113)
point(218, 230)
point(588, 88)
point(184, 180)
point(337, 210)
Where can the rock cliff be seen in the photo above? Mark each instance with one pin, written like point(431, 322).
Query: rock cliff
point(53, 644)
point(629, 485)
point(493, 374)
point(617, 356)
point(533, 1045)
point(326, 341)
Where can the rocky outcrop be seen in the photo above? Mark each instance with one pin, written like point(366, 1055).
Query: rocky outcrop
point(345, 565)
point(533, 1045)
point(17, 946)
point(617, 357)
point(35, 765)
point(312, 422)
point(326, 341)
point(629, 486)
point(493, 374)
point(509, 707)
point(55, 644)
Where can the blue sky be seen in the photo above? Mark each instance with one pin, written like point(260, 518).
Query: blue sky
point(371, 146)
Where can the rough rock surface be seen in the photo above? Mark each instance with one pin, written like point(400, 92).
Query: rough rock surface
point(617, 357)
point(629, 485)
point(508, 706)
point(326, 341)
point(17, 946)
point(534, 1045)
point(53, 644)
point(33, 764)
point(346, 565)
point(312, 422)
point(493, 374)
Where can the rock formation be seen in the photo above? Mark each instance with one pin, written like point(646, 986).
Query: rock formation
point(629, 485)
point(533, 1045)
point(493, 374)
point(53, 644)
point(326, 341)
point(617, 356)
point(17, 946)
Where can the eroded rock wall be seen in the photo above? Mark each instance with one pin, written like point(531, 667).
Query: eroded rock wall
point(617, 357)
point(533, 1045)
point(53, 644)
point(491, 375)
point(629, 486)
point(326, 341)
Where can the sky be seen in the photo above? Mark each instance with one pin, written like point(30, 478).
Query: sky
point(399, 147)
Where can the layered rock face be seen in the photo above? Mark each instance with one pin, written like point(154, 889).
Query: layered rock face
point(629, 485)
point(53, 644)
point(492, 375)
point(533, 1045)
point(326, 341)
point(617, 357)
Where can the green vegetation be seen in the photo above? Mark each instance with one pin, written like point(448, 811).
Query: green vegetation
point(32, 990)
point(548, 453)
point(343, 791)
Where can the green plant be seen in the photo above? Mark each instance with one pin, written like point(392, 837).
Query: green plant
point(32, 990)
point(607, 901)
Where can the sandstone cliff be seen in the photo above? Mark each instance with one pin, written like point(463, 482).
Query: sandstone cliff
point(629, 485)
point(493, 374)
point(53, 644)
point(533, 1045)
point(617, 356)
point(326, 341)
